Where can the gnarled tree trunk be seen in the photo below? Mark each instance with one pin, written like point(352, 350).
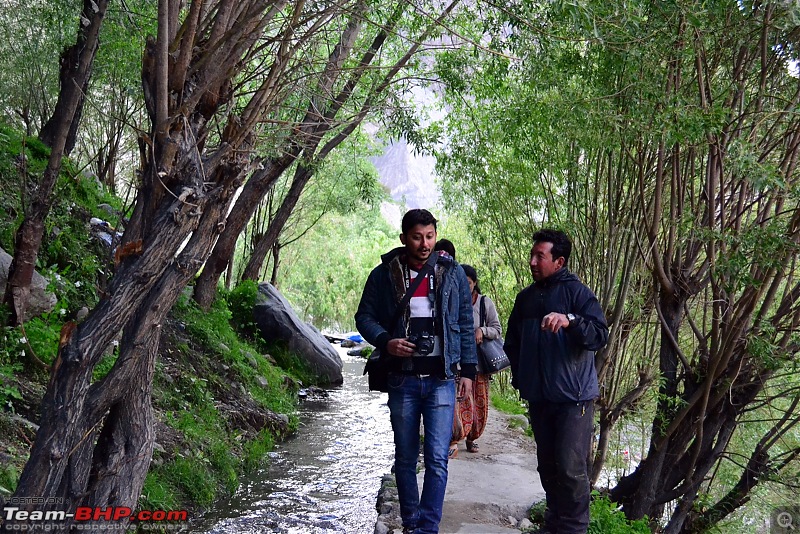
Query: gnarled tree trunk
point(59, 133)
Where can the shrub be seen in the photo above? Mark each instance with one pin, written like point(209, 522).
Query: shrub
point(605, 518)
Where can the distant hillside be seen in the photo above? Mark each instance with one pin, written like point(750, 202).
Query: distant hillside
point(408, 176)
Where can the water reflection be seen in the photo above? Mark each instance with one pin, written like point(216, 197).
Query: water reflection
point(326, 478)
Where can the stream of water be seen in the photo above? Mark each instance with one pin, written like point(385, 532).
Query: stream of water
point(324, 479)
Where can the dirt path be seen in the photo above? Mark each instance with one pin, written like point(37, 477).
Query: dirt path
point(487, 490)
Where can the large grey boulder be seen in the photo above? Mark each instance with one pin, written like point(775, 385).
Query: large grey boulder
point(40, 300)
point(277, 321)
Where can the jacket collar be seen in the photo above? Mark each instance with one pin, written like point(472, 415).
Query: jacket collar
point(561, 275)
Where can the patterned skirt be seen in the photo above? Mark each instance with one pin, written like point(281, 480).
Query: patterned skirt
point(472, 412)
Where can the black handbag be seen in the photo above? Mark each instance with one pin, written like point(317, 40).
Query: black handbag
point(378, 365)
point(377, 371)
point(490, 351)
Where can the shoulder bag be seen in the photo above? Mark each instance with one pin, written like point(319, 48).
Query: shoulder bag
point(490, 351)
point(377, 366)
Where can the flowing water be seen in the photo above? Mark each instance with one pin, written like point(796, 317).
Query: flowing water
point(324, 479)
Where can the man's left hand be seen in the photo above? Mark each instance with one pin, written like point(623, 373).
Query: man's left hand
point(553, 322)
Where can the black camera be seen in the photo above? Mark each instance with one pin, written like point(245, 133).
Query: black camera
point(423, 342)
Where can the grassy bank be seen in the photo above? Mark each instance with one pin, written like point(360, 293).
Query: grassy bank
point(221, 397)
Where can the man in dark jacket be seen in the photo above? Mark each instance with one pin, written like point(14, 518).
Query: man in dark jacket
point(553, 331)
point(432, 336)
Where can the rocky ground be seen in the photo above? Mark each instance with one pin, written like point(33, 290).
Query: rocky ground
point(488, 492)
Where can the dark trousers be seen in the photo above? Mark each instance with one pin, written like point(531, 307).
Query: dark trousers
point(563, 433)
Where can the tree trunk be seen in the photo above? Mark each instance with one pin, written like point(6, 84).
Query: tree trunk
point(602, 445)
point(205, 288)
point(276, 262)
point(320, 118)
point(75, 72)
point(74, 76)
point(301, 177)
point(122, 455)
point(64, 463)
point(640, 500)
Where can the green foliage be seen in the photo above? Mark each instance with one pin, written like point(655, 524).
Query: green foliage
point(507, 400)
point(193, 476)
point(9, 392)
point(75, 263)
point(536, 512)
point(104, 366)
point(213, 331)
point(8, 480)
point(41, 335)
point(582, 118)
point(256, 450)
point(323, 276)
point(291, 362)
point(241, 301)
point(210, 458)
point(606, 518)
point(210, 462)
point(157, 492)
point(32, 36)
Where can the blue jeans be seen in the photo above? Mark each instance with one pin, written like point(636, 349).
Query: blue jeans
point(433, 399)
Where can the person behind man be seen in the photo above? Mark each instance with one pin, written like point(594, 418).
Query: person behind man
point(487, 326)
point(447, 246)
point(553, 330)
point(433, 335)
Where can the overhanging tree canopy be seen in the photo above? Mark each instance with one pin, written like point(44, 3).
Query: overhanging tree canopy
point(664, 138)
point(214, 79)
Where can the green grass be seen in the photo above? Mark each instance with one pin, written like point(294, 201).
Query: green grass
point(256, 450)
point(201, 457)
point(8, 479)
point(506, 399)
point(213, 330)
point(604, 518)
point(212, 457)
point(157, 492)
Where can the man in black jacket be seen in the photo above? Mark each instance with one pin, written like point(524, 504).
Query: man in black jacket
point(553, 331)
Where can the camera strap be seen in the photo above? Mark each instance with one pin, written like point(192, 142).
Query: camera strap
point(426, 269)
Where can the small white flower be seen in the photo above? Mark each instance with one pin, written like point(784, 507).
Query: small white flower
point(23, 340)
point(62, 311)
point(115, 343)
point(78, 283)
point(58, 277)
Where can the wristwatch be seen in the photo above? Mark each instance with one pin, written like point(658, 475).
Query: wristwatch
point(571, 318)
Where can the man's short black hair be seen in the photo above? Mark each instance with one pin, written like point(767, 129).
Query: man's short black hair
point(415, 217)
point(447, 246)
point(562, 246)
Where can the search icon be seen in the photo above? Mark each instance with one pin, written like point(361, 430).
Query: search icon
point(784, 520)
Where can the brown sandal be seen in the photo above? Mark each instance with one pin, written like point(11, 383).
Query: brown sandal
point(453, 452)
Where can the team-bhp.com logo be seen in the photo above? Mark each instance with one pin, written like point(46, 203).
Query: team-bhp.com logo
point(90, 518)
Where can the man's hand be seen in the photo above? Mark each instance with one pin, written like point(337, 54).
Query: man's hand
point(464, 388)
point(553, 322)
point(478, 335)
point(400, 347)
